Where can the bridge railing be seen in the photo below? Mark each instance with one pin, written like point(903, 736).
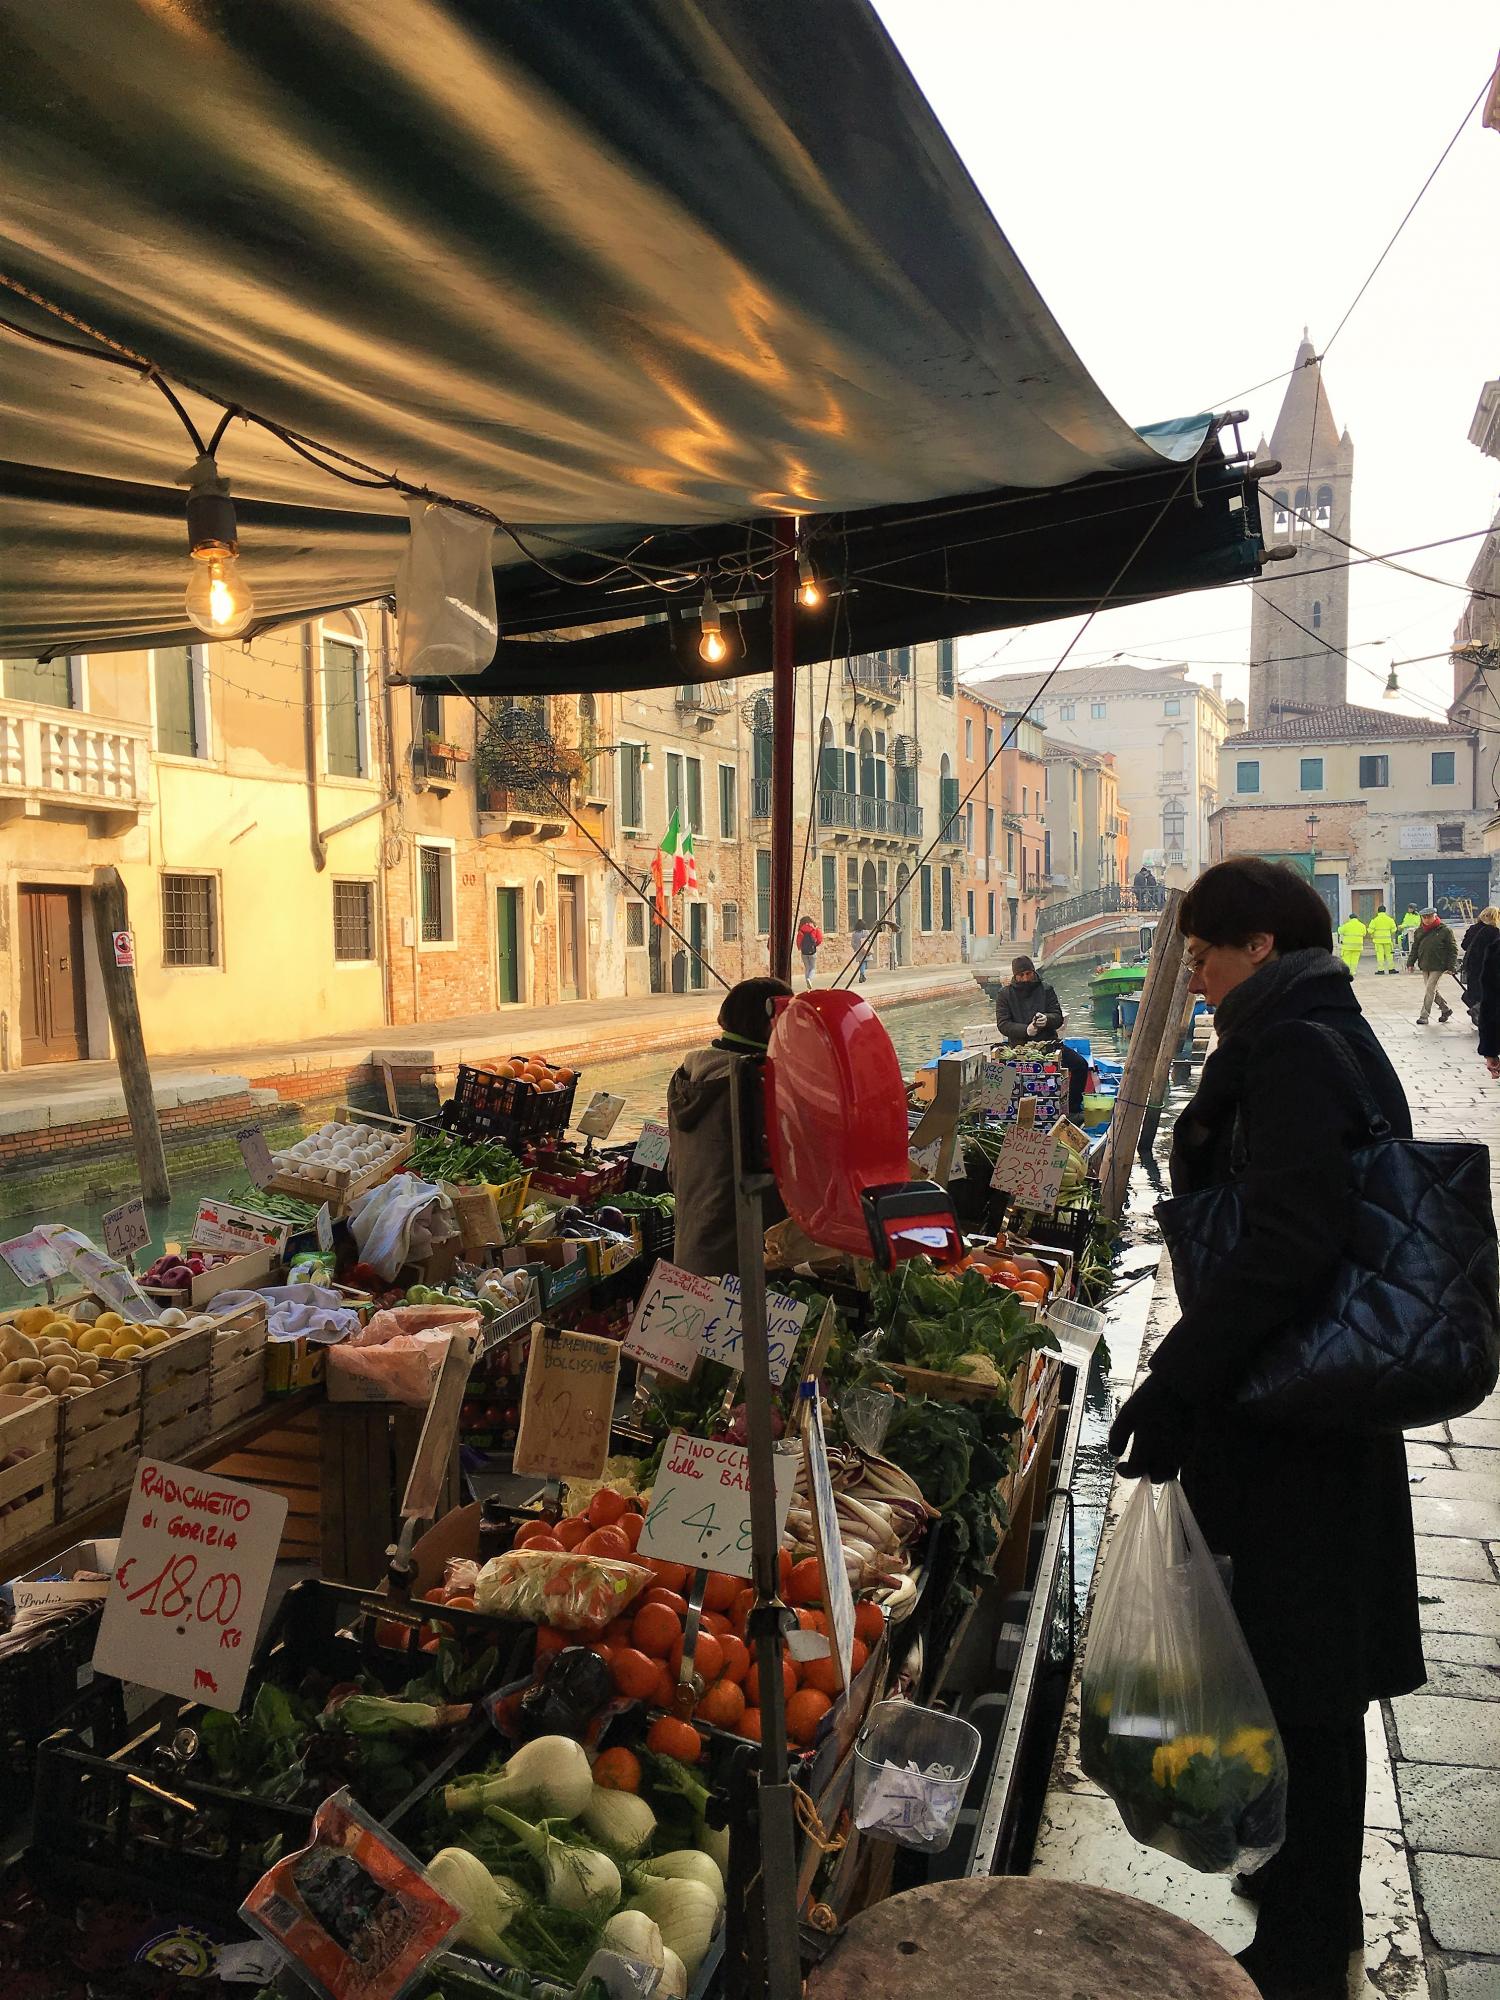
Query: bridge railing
point(1053, 917)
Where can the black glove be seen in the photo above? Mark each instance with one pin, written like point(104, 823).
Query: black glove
point(1158, 1425)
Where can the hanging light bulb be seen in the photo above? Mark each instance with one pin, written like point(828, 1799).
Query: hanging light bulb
point(1392, 689)
point(218, 598)
point(809, 590)
point(713, 646)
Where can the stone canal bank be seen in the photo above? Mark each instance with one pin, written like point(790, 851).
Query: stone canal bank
point(1432, 1843)
point(64, 1136)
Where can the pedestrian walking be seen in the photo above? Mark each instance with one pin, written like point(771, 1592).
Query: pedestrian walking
point(1479, 943)
point(1433, 951)
point(809, 937)
point(1351, 941)
point(1314, 1519)
point(1383, 938)
point(860, 941)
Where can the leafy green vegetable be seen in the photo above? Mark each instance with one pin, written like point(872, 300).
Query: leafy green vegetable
point(934, 1321)
point(958, 1453)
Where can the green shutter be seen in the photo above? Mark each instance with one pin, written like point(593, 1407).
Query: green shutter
point(47, 681)
point(176, 730)
point(341, 695)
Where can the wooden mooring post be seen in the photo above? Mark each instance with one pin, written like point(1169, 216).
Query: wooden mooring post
point(1156, 1017)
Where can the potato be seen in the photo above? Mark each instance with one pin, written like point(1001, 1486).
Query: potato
point(58, 1377)
point(29, 1371)
point(86, 1364)
point(36, 1392)
point(15, 1345)
point(79, 1382)
point(57, 1350)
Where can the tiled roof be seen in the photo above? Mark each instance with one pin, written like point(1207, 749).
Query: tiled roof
point(1020, 690)
point(1059, 746)
point(1344, 723)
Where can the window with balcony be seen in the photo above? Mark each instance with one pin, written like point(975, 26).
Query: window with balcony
point(830, 886)
point(1247, 775)
point(353, 922)
point(56, 683)
point(1444, 767)
point(762, 893)
point(190, 920)
point(1374, 773)
point(632, 786)
point(179, 685)
point(1310, 774)
point(346, 739)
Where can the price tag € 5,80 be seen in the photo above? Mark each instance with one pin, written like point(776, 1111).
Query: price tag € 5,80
point(722, 1336)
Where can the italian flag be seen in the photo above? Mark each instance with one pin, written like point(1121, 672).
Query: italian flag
point(676, 847)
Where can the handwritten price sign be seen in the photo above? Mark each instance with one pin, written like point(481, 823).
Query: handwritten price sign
point(566, 1406)
point(126, 1228)
point(700, 1504)
point(997, 1086)
point(669, 1320)
point(722, 1338)
point(654, 1147)
point(1030, 1168)
point(192, 1570)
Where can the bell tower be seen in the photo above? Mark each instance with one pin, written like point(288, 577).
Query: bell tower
point(1299, 623)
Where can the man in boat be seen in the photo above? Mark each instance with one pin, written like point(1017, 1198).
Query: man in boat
point(1027, 1009)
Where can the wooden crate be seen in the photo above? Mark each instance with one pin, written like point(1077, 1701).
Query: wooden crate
point(99, 1441)
point(175, 1393)
point(237, 1367)
point(28, 1490)
point(943, 1388)
point(343, 1188)
point(287, 1461)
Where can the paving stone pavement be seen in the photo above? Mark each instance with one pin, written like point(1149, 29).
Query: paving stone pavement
point(1445, 1741)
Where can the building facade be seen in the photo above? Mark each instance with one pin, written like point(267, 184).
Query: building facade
point(1299, 621)
point(1163, 731)
point(1002, 757)
point(1377, 807)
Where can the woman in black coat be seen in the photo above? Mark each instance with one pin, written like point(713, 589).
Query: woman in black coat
point(1480, 940)
point(1316, 1523)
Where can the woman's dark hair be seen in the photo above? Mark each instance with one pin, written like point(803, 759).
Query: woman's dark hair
point(1231, 901)
point(746, 1008)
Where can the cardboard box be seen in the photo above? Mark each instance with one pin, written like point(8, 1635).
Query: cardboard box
point(53, 1583)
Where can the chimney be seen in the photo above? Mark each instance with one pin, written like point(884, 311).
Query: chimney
point(1218, 684)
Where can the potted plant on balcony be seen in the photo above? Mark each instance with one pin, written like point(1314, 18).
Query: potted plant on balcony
point(519, 762)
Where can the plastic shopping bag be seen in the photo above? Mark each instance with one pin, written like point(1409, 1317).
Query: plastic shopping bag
point(1175, 1723)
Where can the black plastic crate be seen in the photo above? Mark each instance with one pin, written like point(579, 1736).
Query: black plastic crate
point(1069, 1229)
point(133, 1821)
point(40, 1692)
point(639, 1179)
point(484, 1105)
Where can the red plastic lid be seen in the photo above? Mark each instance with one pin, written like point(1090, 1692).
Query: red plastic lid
point(835, 1114)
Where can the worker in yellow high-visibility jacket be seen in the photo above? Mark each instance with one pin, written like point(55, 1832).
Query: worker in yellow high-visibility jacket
point(1383, 937)
point(1351, 941)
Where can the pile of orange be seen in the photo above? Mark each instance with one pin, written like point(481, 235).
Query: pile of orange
point(1027, 1277)
point(643, 1648)
point(537, 1071)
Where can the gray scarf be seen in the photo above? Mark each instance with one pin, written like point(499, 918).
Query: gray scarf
point(1249, 1003)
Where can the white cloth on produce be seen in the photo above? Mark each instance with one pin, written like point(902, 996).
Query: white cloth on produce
point(399, 1222)
point(308, 1312)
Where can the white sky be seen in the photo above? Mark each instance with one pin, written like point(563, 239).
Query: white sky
point(1187, 185)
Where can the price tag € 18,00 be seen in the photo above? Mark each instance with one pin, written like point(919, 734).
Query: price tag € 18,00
point(722, 1336)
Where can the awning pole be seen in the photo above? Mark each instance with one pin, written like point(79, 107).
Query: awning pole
point(783, 732)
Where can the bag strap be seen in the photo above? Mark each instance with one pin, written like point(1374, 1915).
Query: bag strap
point(1377, 1125)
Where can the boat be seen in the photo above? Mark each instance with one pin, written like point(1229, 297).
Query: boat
point(1109, 983)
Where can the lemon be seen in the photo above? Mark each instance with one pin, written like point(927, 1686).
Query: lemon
point(151, 1336)
point(109, 1320)
point(128, 1350)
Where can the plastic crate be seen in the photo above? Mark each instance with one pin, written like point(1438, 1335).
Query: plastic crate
point(1069, 1229)
point(40, 1691)
point(506, 1107)
point(638, 1178)
point(132, 1822)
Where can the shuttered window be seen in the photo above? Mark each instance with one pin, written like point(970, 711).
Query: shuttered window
point(50, 682)
point(343, 693)
point(176, 719)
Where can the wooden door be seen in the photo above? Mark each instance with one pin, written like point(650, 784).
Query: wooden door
point(567, 935)
point(508, 930)
point(53, 1023)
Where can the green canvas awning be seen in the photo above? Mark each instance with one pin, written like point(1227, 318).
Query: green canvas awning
point(630, 273)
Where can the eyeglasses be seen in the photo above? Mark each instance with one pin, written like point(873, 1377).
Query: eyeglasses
point(1198, 959)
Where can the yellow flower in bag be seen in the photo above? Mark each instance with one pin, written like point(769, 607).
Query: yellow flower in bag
point(1170, 1760)
point(1254, 1746)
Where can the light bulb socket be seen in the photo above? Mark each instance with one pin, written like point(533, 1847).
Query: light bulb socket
point(708, 616)
point(211, 526)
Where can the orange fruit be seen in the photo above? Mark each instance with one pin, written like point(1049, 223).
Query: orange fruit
point(806, 1585)
point(605, 1542)
point(606, 1507)
point(739, 1615)
point(804, 1712)
point(723, 1705)
point(813, 1621)
point(750, 1725)
point(667, 1737)
point(566, 1075)
point(618, 1770)
point(708, 1657)
point(720, 1591)
point(665, 1695)
point(869, 1621)
point(633, 1673)
point(669, 1598)
point(715, 1622)
point(550, 1640)
point(823, 1675)
point(546, 1544)
point(392, 1633)
point(630, 1526)
point(788, 1682)
point(570, 1533)
point(783, 1569)
point(656, 1630)
point(671, 1576)
point(859, 1652)
point(462, 1600)
point(736, 1656)
point(528, 1531)
point(617, 1632)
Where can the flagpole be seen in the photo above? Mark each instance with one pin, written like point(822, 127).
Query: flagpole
point(783, 734)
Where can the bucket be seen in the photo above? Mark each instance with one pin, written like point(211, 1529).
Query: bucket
point(912, 1807)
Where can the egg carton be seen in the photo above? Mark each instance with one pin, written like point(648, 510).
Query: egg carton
point(335, 1170)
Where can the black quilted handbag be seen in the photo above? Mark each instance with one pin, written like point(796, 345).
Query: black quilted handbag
point(1408, 1333)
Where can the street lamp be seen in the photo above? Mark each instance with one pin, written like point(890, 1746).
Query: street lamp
point(1312, 848)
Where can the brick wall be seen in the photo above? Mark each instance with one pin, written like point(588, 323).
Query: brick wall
point(99, 1137)
point(1283, 830)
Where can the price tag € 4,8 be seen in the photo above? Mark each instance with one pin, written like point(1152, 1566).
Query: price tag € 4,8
point(192, 1569)
point(722, 1336)
point(700, 1504)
